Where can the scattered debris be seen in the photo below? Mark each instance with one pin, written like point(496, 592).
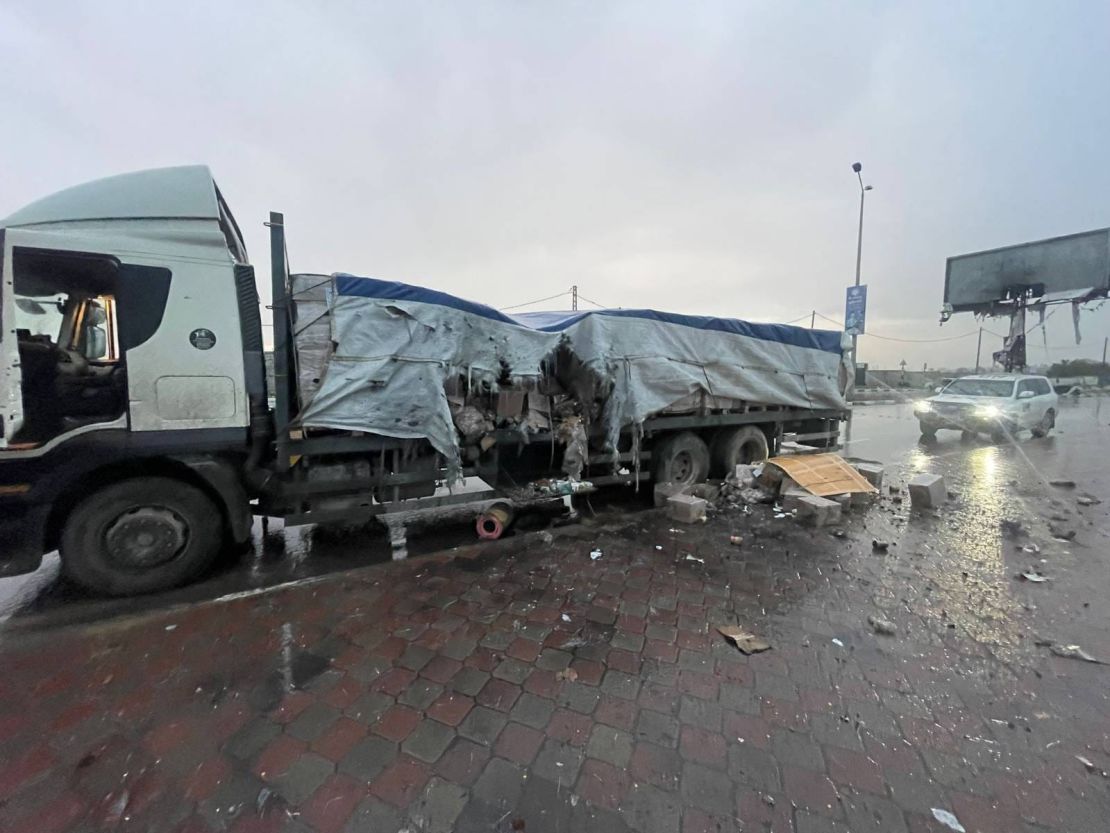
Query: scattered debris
point(1073, 652)
point(883, 627)
point(880, 546)
point(546, 537)
point(1033, 548)
point(1087, 763)
point(264, 795)
point(837, 643)
point(1062, 534)
point(948, 820)
point(664, 491)
point(1011, 527)
point(595, 555)
point(769, 800)
point(686, 508)
point(568, 674)
point(821, 475)
point(171, 627)
point(691, 557)
point(565, 618)
point(659, 547)
point(748, 643)
point(735, 540)
point(928, 491)
point(1033, 576)
point(1062, 484)
point(1087, 500)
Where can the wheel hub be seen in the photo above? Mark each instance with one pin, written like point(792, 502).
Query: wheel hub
point(146, 537)
point(682, 467)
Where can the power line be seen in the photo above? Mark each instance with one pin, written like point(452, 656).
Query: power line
point(588, 301)
point(903, 340)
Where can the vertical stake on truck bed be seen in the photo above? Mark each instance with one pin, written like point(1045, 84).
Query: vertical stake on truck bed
point(279, 277)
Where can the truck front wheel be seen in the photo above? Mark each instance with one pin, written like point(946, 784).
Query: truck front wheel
point(140, 535)
point(682, 459)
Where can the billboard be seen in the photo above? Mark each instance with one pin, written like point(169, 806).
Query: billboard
point(855, 310)
point(1075, 266)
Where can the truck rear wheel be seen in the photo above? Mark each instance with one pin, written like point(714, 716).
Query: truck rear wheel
point(681, 458)
point(139, 536)
point(732, 446)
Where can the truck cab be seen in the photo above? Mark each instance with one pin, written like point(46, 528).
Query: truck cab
point(128, 309)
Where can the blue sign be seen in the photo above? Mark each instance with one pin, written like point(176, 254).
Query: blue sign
point(855, 310)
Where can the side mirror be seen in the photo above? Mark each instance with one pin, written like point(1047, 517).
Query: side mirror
point(97, 344)
point(938, 388)
point(1026, 394)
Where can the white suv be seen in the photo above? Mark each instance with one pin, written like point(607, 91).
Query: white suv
point(996, 404)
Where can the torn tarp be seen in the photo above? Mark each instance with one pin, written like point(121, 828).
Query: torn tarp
point(396, 347)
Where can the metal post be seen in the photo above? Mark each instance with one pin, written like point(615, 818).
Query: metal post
point(1104, 342)
point(278, 282)
point(813, 320)
point(574, 297)
point(859, 248)
point(978, 348)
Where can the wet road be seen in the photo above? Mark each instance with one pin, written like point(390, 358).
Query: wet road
point(994, 481)
point(579, 683)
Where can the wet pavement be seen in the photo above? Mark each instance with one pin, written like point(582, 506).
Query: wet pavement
point(521, 685)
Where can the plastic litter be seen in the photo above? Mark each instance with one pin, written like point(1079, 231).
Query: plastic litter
point(1087, 500)
point(1074, 652)
point(948, 820)
point(1033, 576)
point(1062, 484)
point(880, 546)
point(565, 618)
point(595, 555)
point(837, 643)
point(568, 674)
point(747, 643)
point(735, 540)
point(690, 557)
point(1033, 548)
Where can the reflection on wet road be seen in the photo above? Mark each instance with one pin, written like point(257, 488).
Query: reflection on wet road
point(972, 589)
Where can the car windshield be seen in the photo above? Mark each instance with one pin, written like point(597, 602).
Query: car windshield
point(981, 387)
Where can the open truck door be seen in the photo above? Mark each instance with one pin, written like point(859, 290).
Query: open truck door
point(11, 398)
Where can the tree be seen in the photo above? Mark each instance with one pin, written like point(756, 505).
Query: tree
point(1078, 367)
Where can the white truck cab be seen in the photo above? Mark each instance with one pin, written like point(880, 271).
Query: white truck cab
point(997, 404)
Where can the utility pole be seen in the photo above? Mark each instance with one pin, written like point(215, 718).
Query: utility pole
point(574, 297)
point(813, 323)
point(1104, 342)
point(979, 347)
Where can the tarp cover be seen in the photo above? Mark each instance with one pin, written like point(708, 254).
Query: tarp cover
point(396, 346)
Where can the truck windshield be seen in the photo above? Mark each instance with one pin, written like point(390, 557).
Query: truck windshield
point(981, 387)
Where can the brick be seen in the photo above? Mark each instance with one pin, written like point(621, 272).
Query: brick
point(702, 747)
point(395, 680)
point(655, 765)
point(278, 756)
point(543, 683)
point(796, 749)
point(570, 727)
point(625, 661)
point(428, 741)
point(811, 790)
point(818, 511)
point(499, 695)
point(928, 491)
point(686, 509)
point(205, 778)
point(313, 721)
point(551, 659)
point(602, 784)
point(532, 710)
point(396, 723)
point(500, 783)
point(368, 757)
point(252, 738)
point(401, 781)
point(440, 669)
point(463, 761)
point(440, 805)
point(589, 672)
point(706, 789)
point(621, 685)
point(580, 698)
point(658, 650)
point(524, 650)
point(450, 708)
point(340, 738)
point(558, 762)
point(469, 681)
point(303, 777)
point(616, 712)
point(369, 707)
point(420, 694)
point(518, 743)
point(855, 769)
point(648, 809)
point(332, 804)
point(753, 767)
point(610, 745)
point(483, 725)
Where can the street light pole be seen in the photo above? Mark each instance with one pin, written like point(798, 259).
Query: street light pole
point(863, 189)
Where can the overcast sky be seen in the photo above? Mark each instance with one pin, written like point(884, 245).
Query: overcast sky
point(693, 157)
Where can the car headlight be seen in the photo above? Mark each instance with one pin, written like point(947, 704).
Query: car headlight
point(923, 407)
point(988, 411)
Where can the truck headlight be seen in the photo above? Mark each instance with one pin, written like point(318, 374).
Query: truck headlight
point(988, 411)
point(923, 407)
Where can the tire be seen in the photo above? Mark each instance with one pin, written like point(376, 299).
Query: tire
point(1047, 423)
point(732, 446)
point(141, 535)
point(968, 436)
point(681, 458)
point(928, 432)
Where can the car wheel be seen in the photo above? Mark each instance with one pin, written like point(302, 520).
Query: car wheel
point(1047, 423)
point(928, 432)
point(140, 535)
point(682, 459)
point(967, 436)
point(732, 446)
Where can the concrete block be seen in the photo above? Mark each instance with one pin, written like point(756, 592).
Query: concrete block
point(927, 491)
point(789, 484)
point(791, 499)
point(706, 491)
point(666, 490)
point(862, 499)
point(818, 511)
point(686, 509)
point(844, 500)
point(872, 472)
